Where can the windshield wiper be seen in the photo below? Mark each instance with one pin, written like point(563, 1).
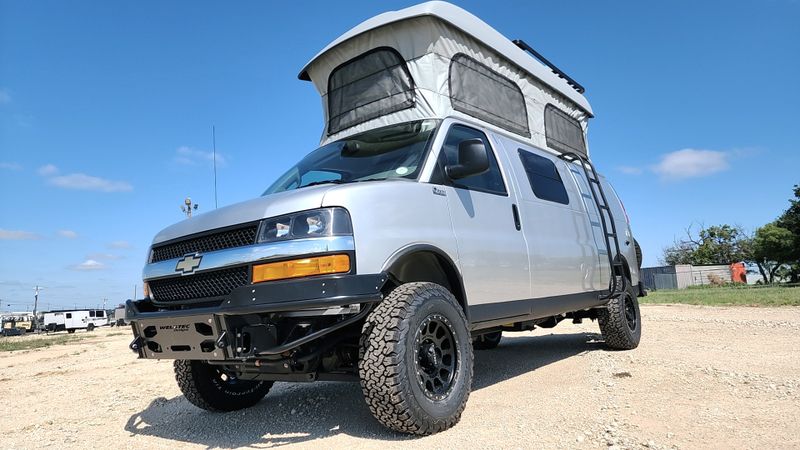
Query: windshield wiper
point(316, 183)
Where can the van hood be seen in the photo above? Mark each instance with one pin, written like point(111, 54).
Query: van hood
point(247, 211)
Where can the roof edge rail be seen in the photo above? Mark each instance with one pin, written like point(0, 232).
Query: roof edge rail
point(574, 84)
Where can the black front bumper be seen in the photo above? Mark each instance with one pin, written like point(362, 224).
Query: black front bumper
point(219, 332)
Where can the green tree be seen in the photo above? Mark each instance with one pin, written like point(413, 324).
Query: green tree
point(790, 220)
point(717, 244)
point(772, 248)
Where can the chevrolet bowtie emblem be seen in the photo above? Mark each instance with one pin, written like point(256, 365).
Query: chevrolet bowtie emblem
point(188, 263)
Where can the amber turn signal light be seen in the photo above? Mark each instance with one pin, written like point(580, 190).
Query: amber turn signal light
point(306, 267)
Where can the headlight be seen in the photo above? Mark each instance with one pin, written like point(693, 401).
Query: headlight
point(314, 223)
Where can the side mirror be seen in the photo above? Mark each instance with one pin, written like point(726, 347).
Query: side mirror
point(472, 160)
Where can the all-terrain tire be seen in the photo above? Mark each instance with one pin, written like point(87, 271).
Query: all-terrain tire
point(487, 341)
point(70, 330)
point(621, 323)
point(397, 354)
point(90, 328)
point(209, 388)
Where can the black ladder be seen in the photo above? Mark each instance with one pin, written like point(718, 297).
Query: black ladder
point(617, 282)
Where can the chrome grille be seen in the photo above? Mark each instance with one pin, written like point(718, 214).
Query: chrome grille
point(218, 283)
point(236, 237)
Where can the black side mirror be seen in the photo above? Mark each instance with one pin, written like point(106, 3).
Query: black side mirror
point(472, 160)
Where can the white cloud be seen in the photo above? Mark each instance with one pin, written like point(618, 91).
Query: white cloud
point(89, 264)
point(104, 256)
point(691, 163)
point(85, 182)
point(120, 244)
point(17, 235)
point(47, 170)
point(10, 166)
point(630, 170)
point(191, 157)
point(81, 181)
point(5, 96)
point(69, 234)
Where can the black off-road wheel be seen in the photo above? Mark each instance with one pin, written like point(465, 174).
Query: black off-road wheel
point(487, 341)
point(415, 359)
point(621, 323)
point(213, 389)
point(90, 328)
point(70, 330)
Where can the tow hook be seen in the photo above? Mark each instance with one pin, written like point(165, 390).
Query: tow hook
point(221, 341)
point(136, 345)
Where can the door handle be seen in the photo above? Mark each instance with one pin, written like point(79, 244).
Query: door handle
point(515, 213)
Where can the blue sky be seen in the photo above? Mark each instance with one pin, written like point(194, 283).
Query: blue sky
point(106, 111)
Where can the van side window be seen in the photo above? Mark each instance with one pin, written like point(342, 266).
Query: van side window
point(100, 313)
point(544, 178)
point(91, 313)
point(69, 315)
point(490, 181)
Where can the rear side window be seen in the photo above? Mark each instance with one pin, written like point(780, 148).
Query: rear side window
point(490, 181)
point(368, 86)
point(483, 93)
point(91, 313)
point(544, 178)
point(69, 315)
point(563, 133)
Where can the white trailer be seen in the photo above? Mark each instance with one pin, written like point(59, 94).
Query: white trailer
point(71, 320)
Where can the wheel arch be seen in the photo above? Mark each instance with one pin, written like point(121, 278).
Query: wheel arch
point(425, 262)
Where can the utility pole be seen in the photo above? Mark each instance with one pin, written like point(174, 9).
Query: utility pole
point(188, 206)
point(36, 306)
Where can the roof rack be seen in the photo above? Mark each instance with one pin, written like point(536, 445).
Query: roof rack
point(575, 85)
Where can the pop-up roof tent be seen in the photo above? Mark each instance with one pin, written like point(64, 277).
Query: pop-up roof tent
point(435, 60)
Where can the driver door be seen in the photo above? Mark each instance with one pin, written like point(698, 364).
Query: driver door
point(492, 252)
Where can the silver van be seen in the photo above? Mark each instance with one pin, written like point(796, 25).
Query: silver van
point(452, 199)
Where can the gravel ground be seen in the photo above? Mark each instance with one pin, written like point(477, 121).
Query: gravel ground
point(702, 377)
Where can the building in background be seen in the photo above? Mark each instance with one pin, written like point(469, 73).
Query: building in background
point(681, 276)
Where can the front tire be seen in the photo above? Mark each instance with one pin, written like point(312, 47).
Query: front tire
point(416, 360)
point(211, 388)
point(620, 322)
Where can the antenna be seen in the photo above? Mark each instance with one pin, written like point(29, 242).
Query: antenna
point(214, 144)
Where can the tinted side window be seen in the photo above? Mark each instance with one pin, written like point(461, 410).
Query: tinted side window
point(544, 178)
point(100, 314)
point(490, 181)
point(69, 315)
point(91, 313)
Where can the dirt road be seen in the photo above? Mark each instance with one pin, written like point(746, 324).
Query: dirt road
point(702, 377)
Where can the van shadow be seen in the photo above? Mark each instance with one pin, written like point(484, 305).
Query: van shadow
point(294, 413)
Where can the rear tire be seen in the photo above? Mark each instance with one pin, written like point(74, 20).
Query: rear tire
point(71, 330)
point(621, 323)
point(415, 360)
point(211, 388)
point(90, 328)
point(487, 341)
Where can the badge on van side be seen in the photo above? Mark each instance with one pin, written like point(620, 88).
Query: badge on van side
point(439, 191)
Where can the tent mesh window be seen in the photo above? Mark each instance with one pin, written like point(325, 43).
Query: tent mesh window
point(485, 94)
point(563, 133)
point(370, 85)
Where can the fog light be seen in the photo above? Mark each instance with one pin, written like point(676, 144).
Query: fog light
point(320, 265)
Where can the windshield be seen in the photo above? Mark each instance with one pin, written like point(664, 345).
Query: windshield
point(396, 152)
